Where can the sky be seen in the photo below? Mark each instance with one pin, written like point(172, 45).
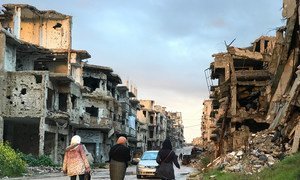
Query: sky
point(164, 46)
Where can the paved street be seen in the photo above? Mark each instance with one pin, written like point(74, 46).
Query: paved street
point(103, 174)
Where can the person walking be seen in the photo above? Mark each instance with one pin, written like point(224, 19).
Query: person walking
point(165, 158)
point(180, 156)
point(119, 155)
point(75, 161)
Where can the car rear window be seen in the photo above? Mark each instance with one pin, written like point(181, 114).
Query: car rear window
point(149, 156)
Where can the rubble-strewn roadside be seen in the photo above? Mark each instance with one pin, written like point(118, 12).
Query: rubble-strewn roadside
point(260, 153)
point(252, 118)
point(264, 149)
point(39, 170)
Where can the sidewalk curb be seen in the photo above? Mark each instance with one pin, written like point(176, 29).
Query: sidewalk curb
point(50, 175)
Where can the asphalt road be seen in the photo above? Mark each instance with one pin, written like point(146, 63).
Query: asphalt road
point(103, 174)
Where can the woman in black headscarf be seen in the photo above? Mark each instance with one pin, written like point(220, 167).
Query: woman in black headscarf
point(165, 158)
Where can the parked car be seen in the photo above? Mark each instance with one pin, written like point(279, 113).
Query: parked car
point(147, 165)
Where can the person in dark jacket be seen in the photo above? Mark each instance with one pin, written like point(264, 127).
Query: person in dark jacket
point(119, 155)
point(165, 158)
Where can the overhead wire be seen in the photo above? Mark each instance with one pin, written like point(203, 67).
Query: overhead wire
point(192, 126)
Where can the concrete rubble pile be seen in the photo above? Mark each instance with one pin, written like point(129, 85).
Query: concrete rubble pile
point(263, 151)
point(42, 170)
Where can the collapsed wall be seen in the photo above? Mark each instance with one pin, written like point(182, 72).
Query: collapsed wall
point(257, 91)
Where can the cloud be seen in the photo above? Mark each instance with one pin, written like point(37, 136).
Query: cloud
point(164, 46)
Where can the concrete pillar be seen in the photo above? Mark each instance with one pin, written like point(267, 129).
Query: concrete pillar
point(233, 99)
point(1, 129)
point(17, 22)
point(98, 155)
point(2, 81)
point(67, 140)
point(55, 146)
point(2, 50)
point(41, 136)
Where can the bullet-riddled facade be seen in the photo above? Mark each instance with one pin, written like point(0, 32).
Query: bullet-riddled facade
point(49, 93)
point(39, 75)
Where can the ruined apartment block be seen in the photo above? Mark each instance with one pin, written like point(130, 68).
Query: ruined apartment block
point(101, 109)
point(37, 81)
point(176, 133)
point(142, 131)
point(147, 116)
point(284, 107)
point(49, 94)
point(208, 129)
point(161, 120)
point(258, 89)
point(207, 124)
point(130, 105)
point(239, 100)
point(154, 116)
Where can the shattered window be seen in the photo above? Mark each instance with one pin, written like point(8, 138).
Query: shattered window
point(91, 82)
point(74, 101)
point(63, 97)
point(93, 111)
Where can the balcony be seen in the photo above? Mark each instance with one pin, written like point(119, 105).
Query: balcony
point(117, 126)
point(140, 137)
point(97, 94)
point(152, 139)
point(86, 119)
point(125, 129)
point(104, 124)
point(152, 124)
point(124, 100)
point(78, 118)
point(250, 75)
point(162, 138)
point(143, 127)
point(58, 115)
point(125, 107)
point(132, 132)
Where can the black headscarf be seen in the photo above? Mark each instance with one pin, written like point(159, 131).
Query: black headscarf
point(167, 144)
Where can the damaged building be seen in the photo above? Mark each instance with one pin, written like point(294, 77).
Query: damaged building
point(238, 99)
point(160, 124)
point(49, 92)
point(39, 75)
point(152, 138)
point(175, 129)
point(257, 89)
